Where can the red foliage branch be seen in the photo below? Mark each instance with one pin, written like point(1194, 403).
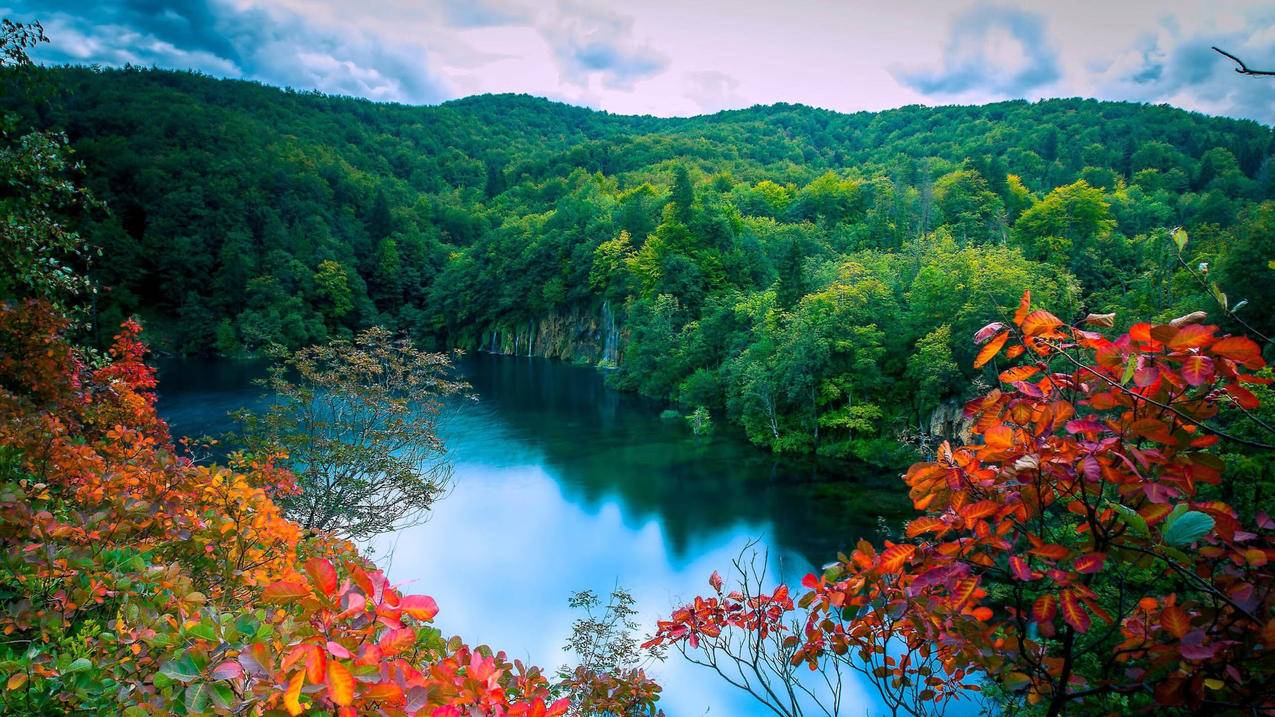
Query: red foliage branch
point(1068, 555)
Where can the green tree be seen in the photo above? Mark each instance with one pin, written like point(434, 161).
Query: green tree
point(358, 419)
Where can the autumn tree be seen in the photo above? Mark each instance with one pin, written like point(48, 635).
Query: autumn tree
point(1078, 556)
point(359, 421)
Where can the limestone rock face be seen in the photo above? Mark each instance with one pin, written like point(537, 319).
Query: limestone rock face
point(580, 336)
point(948, 422)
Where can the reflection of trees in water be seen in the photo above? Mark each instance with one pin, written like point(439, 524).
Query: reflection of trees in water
point(599, 442)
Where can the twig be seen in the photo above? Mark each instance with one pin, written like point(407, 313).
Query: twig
point(1243, 68)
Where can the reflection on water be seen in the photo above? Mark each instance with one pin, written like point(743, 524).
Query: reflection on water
point(562, 484)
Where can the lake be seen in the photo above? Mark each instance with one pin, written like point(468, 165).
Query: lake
point(562, 484)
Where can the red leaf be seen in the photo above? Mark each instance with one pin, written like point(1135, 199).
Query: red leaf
point(1074, 613)
point(1197, 369)
point(1044, 609)
point(228, 670)
point(992, 348)
point(421, 607)
point(1243, 396)
point(285, 591)
point(340, 684)
point(1175, 621)
point(1241, 350)
point(1021, 569)
point(715, 581)
point(1090, 563)
point(1192, 336)
point(1193, 647)
point(985, 333)
point(323, 575)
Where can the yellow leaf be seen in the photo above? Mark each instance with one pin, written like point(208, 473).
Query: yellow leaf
point(16, 681)
point(292, 698)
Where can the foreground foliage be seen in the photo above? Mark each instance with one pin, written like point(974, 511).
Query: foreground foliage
point(135, 581)
point(1079, 557)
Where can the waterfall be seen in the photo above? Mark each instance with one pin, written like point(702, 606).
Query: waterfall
point(611, 336)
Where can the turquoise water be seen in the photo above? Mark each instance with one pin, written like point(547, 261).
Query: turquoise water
point(562, 484)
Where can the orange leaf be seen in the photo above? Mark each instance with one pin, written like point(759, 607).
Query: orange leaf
point(1024, 306)
point(315, 664)
point(285, 591)
point(292, 696)
point(421, 607)
point(926, 524)
point(340, 684)
point(999, 437)
point(1175, 621)
point(323, 575)
point(981, 509)
point(1074, 613)
point(1050, 551)
point(963, 591)
point(1040, 322)
point(395, 641)
point(1018, 373)
point(894, 557)
point(992, 348)
point(1241, 350)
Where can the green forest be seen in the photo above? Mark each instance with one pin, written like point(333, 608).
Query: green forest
point(811, 276)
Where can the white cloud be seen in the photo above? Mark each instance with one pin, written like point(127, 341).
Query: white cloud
point(672, 58)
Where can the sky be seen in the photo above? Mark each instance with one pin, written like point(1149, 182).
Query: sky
point(678, 58)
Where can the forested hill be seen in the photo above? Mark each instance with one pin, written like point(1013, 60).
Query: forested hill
point(814, 276)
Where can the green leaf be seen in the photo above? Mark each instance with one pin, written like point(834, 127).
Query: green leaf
point(222, 696)
point(246, 625)
point(1180, 238)
point(79, 665)
point(1130, 517)
point(1129, 369)
point(1188, 528)
point(1217, 294)
point(202, 630)
point(182, 669)
point(196, 698)
point(135, 711)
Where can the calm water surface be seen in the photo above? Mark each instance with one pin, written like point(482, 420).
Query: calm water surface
point(562, 484)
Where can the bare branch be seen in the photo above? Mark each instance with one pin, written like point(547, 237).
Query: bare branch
point(1243, 68)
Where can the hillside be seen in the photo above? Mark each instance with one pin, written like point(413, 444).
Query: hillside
point(814, 276)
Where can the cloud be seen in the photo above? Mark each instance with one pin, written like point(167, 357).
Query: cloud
point(269, 44)
point(1002, 51)
point(714, 91)
point(481, 13)
point(1167, 66)
point(589, 41)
